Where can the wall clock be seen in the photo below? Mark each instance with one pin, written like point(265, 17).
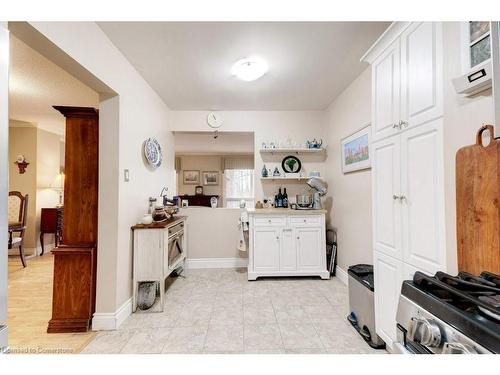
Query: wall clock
point(152, 152)
point(214, 120)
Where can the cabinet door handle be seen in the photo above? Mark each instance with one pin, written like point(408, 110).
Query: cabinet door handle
point(277, 237)
point(298, 238)
point(269, 221)
point(403, 123)
point(396, 197)
point(402, 198)
point(396, 126)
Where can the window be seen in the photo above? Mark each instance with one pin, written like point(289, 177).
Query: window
point(238, 185)
point(478, 43)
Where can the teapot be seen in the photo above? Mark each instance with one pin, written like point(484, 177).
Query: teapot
point(314, 143)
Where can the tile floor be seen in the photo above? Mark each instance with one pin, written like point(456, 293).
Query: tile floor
point(219, 311)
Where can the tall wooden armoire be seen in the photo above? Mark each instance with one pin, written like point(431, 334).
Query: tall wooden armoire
point(73, 299)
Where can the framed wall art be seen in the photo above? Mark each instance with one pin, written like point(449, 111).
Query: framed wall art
point(356, 151)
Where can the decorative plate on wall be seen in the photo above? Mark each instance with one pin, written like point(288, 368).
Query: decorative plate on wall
point(152, 152)
point(291, 164)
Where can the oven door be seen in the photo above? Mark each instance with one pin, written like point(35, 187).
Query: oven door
point(175, 249)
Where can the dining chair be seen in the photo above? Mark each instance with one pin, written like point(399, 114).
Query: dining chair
point(18, 212)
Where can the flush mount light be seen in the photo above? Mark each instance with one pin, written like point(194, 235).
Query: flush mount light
point(249, 69)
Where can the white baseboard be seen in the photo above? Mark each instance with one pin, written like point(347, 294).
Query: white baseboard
point(111, 321)
point(341, 274)
point(197, 263)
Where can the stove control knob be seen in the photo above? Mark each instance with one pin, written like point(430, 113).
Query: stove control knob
point(425, 332)
point(458, 348)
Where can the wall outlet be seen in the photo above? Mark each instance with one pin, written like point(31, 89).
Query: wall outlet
point(126, 176)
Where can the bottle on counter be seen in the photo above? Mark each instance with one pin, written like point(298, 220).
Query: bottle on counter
point(285, 199)
point(279, 199)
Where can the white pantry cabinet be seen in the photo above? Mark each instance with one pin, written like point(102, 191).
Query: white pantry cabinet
point(407, 162)
point(287, 243)
point(407, 78)
point(386, 187)
point(388, 273)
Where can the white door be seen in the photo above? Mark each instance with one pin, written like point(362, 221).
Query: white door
point(266, 249)
point(388, 274)
point(309, 248)
point(288, 252)
point(386, 189)
point(386, 92)
point(423, 204)
point(421, 73)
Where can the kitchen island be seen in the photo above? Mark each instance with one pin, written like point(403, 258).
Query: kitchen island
point(285, 242)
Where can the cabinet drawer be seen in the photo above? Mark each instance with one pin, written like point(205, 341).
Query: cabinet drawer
point(298, 220)
point(261, 221)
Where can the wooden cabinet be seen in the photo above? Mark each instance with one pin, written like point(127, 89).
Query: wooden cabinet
point(51, 221)
point(287, 245)
point(159, 249)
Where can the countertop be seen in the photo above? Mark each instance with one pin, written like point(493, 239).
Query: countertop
point(160, 225)
point(283, 211)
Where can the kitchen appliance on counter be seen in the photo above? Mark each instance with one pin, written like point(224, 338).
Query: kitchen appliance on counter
point(303, 201)
point(308, 202)
point(449, 314)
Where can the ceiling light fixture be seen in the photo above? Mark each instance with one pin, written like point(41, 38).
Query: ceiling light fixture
point(249, 69)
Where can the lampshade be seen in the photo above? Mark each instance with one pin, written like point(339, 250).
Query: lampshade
point(58, 182)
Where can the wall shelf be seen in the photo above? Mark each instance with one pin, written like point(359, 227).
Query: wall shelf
point(296, 151)
point(292, 179)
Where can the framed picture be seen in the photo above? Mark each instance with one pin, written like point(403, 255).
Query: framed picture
point(191, 177)
point(356, 151)
point(210, 178)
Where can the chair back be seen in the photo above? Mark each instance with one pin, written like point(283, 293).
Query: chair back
point(18, 207)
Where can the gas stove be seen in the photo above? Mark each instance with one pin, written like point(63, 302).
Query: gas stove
point(444, 314)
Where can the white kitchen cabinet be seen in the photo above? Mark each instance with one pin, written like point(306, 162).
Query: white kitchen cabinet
point(407, 162)
point(407, 77)
point(287, 243)
point(267, 238)
point(421, 73)
point(386, 92)
point(386, 187)
point(308, 243)
point(388, 276)
point(422, 202)
point(288, 250)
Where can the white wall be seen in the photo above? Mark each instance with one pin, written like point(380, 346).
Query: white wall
point(267, 126)
point(462, 118)
point(212, 233)
point(137, 114)
point(350, 209)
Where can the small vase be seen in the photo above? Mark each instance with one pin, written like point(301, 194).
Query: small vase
point(264, 171)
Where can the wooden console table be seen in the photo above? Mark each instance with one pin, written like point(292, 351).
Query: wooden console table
point(51, 221)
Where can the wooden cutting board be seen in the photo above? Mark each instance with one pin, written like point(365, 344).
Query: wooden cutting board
point(478, 205)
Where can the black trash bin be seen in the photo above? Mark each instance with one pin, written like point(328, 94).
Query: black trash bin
point(361, 303)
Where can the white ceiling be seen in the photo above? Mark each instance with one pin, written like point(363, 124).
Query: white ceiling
point(203, 143)
point(188, 63)
point(36, 84)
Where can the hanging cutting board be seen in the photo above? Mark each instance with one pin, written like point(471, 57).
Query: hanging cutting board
point(478, 205)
